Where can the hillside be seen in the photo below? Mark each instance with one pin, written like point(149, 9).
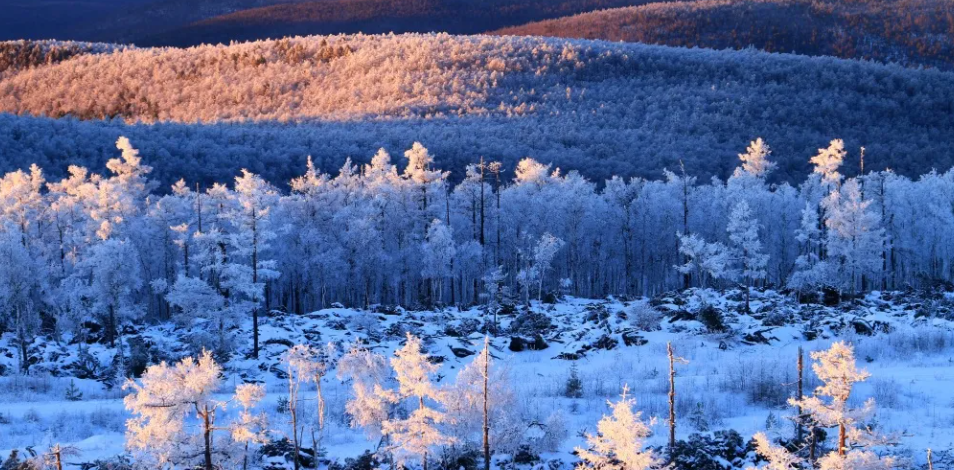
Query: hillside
point(601, 108)
point(370, 17)
point(910, 32)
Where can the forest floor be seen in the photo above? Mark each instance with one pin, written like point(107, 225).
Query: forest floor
point(741, 366)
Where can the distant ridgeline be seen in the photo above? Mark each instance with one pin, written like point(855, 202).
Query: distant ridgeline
point(601, 108)
point(910, 32)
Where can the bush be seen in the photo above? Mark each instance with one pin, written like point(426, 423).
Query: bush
point(574, 385)
point(724, 450)
point(712, 319)
point(645, 317)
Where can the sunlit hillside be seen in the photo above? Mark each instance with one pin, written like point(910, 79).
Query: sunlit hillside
point(602, 108)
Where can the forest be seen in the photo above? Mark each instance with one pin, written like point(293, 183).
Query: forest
point(108, 247)
point(161, 298)
point(634, 109)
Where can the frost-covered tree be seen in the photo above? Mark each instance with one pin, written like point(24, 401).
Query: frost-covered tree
point(707, 260)
point(415, 435)
point(538, 260)
point(370, 402)
point(438, 253)
point(810, 270)
point(777, 458)
point(837, 370)
point(855, 238)
point(755, 160)
point(251, 217)
point(22, 279)
point(250, 428)
point(107, 280)
point(618, 443)
point(828, 161)
point(829, 407)
point(121, 198)
point(160, 403)
point(743, 232)
point(481, 403)
point(299, 368)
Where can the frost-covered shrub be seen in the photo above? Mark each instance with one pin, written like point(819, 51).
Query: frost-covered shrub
point(644, 317)
point(531, 323)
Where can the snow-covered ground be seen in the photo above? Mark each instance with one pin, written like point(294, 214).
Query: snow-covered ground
point(734, 379)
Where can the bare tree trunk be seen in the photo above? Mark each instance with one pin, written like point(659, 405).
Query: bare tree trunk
point(799, 395)
point(254, 281)
point(58, 454)
point(842, 440)
point(316, 443)
point(423, 457)
point(486, 403)
point(207, 433)
point(293, 412)
point(672, 401)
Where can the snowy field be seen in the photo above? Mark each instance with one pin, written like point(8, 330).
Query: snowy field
point(732, 379)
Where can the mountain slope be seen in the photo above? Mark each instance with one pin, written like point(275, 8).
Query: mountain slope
point(911, 32)
point(371, 16)
point(601, 108)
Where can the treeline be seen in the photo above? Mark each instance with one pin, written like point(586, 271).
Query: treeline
point(910, 32)
point(109, 248)
point(634, 109)
point(19, 55)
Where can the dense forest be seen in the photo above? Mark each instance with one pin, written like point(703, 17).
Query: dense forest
point(910, 32)
point(601, 108)
point(107, 246)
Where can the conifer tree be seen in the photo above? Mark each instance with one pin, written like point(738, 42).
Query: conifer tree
point(619, 441)
point(419, 432)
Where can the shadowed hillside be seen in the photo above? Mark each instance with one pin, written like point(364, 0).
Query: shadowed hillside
point(910, 32)
point(372, 16)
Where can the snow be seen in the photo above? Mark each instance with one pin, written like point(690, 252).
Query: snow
point(911, 377)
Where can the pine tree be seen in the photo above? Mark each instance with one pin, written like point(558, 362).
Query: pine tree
point(419, 432)
point(828, 407)
point(744, 233)
point(73, 392)
point(619, 441)
point(755, 159)
point(855, 237)
point(252, 217)
point(574, 385)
